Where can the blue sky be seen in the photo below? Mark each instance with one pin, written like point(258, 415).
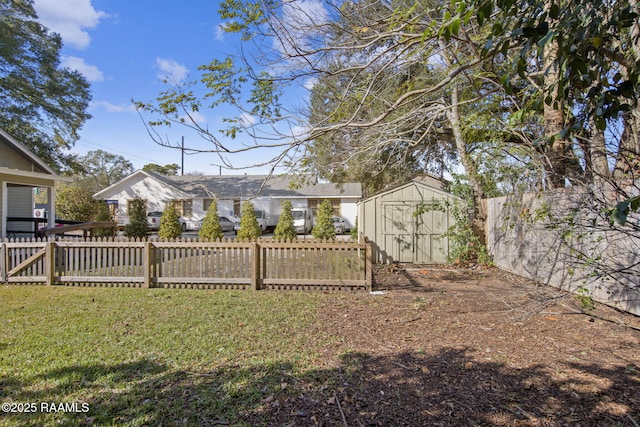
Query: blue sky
point(124, 48)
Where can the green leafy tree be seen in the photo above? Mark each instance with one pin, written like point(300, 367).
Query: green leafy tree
point(169, 170)
point(138, 226)
point(249, 226)
point(99, 169)
point(102, 215)
point(42, 104)
point(536, 83)
point(285, 229)
point(211, 229)
point(169, 223)
point(324, 228)
point(74, 203)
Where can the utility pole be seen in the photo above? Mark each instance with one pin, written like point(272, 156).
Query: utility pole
point(182, 151)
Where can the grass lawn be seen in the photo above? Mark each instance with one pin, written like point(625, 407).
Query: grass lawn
point(149, 357)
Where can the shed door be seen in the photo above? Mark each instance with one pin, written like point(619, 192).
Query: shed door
point(398, 230)
point(413, 239)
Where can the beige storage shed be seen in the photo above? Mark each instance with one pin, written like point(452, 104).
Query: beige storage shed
point(387, 219)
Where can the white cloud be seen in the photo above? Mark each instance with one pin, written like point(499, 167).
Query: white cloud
point(70, 19)
point(220, 33)
point(304, 13)
point(113, 108)
point(310, 83)
point(248, 120)
point(171, 70)
point(196, 116)
point(91, 72)
point(302, 21)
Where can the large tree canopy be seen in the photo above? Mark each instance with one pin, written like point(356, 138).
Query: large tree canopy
point(99, 169)
point(523, 88)
point(42, 104)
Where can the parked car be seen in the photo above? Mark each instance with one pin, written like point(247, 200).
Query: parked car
point(153, 218)
point(261, 222)
point(339, 224)
point(226, 224)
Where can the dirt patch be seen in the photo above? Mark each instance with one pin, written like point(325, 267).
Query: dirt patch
point(446, 347)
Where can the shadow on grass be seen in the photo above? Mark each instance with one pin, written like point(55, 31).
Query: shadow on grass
point(407, 389)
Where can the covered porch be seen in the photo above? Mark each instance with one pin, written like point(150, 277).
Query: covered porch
point(18, 217)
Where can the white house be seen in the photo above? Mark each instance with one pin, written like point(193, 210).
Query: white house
point(192, 195)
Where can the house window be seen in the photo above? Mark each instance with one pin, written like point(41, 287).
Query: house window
point(206, 203)
point(130, 205)
point(237, 208)
point(314, 205)
point(183, 207)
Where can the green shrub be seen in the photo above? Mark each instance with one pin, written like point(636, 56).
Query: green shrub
point(169, 223)
point(211, 229)
point(285, 229)
point(103, 215)
point(324, 228)
point(249, 227)
point(138, 227)
point(75, 203)
point(354, 231)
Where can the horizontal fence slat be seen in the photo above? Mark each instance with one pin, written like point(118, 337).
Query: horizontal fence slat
point(211, 280)
point(26, 279)
point(99, 279)
point(313, 282)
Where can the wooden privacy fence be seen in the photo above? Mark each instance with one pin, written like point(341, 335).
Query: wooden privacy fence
point(227, 264)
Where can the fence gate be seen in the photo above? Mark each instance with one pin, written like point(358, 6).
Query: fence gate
point(23, 262)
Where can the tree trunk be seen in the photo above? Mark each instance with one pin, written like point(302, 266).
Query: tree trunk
point(628, 157)
point(479, 215)
point(554, 123)
point(597, 151)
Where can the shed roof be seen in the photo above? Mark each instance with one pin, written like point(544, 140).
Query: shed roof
point(425, 180)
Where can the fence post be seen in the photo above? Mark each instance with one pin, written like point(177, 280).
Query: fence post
point(3, 262)
point(368, 265)
point(50, 260)
point(255, 270)
point(147, 261)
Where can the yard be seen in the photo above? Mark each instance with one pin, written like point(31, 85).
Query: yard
point(429, 347)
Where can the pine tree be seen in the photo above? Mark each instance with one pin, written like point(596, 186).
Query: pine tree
point(249, 227)
point(211, 229)
point(138, 227)
point(103, 215)
point(324, 228)
point(285, 229)
point(169, 223)
point(354, 231)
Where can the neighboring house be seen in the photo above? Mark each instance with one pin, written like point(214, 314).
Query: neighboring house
point(21, 174)
point(387, 219)
point(193, 194)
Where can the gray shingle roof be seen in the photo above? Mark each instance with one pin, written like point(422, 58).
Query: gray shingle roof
point(249, 186)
